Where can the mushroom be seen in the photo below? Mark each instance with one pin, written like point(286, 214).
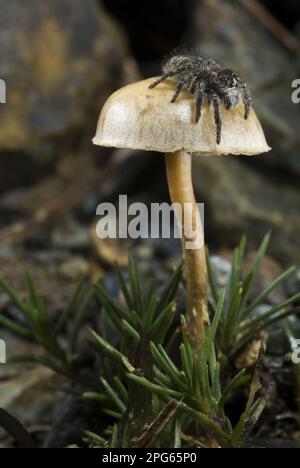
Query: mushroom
point(141, 118)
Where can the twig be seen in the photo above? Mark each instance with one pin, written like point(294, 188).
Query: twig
point(155, 428)
point(54, 198)
point(272, 24)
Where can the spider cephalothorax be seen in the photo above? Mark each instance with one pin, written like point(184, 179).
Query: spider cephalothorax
point(209, 83)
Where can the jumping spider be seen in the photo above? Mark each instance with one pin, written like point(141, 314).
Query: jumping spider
point(209, 83)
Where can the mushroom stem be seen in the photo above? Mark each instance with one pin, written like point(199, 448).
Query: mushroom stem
point(179, 174)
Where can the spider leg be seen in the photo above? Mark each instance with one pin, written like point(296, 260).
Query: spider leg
point(247, 99)
point(199, 101)
point(162, 78)
point(193, 85)
point(198, 81)
point(181, 84)
point(167, 75)
point(218, 120)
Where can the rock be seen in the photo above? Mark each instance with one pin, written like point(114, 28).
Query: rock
point(238, 199)
point(221, 269)
point(109, 250)
point(17, 170)
point(74, 268)
point(272, 443)
point(71, 235)
point(72, 416)
point(59, 59)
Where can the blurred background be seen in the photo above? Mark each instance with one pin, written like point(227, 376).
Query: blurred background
point(60, 60)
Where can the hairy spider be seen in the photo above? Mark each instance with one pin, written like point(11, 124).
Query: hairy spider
point(209, 83)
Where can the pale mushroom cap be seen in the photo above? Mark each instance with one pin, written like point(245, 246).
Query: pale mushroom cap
point(141, 118)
